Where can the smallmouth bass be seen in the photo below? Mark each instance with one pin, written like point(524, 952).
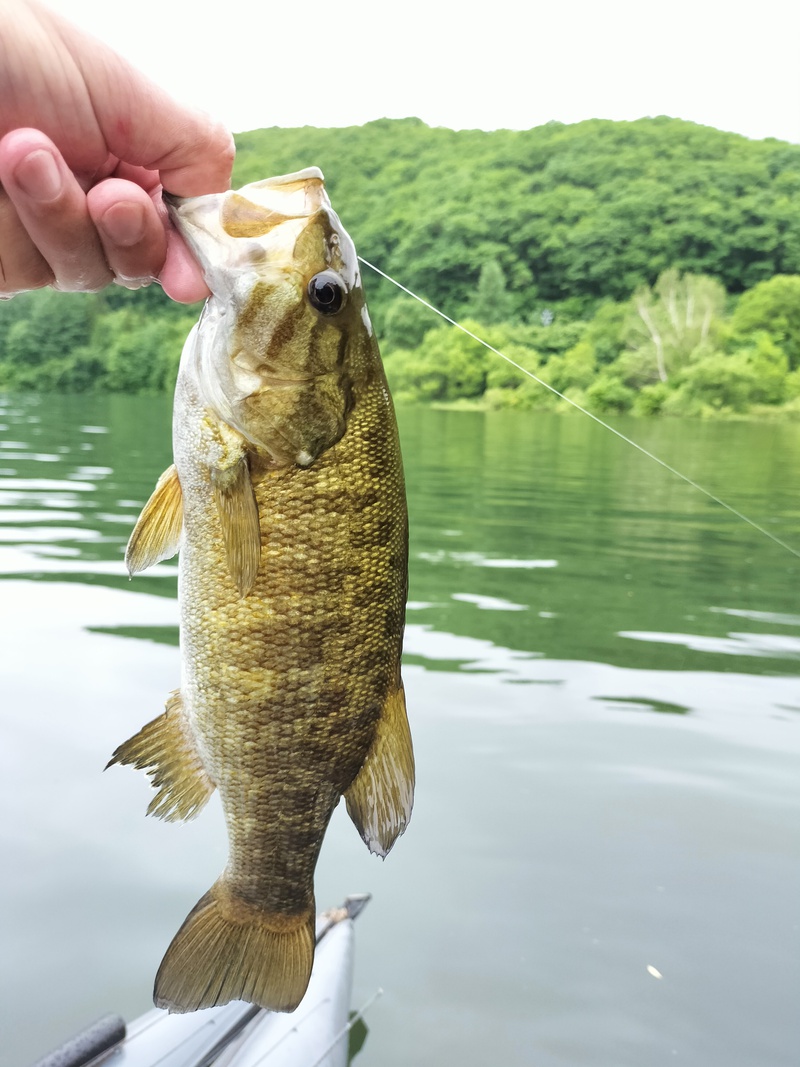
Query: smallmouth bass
point(287, 501)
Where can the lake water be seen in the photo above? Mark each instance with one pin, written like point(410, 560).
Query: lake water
point(603, 867)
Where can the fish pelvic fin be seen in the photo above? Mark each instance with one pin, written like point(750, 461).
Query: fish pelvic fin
point(231, 949)
point(165, 750)
point(157, 532)
point(382, 795)
point(238, 516)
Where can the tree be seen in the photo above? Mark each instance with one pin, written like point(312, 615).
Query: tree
point(406, 322)
point(54, 324)
point(609, 395)
point(674, 319)
point(575, 369)
point(140, 356)
point(772, 306)
point(493, 303)
point(448, 365)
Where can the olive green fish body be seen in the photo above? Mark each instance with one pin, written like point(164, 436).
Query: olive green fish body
point(292, 587)
point(283, 688)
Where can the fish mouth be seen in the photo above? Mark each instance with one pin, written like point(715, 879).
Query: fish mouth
point(174, 204)
point(238, 228)
point(171, 203)
point(296, 195)
point(255, 231)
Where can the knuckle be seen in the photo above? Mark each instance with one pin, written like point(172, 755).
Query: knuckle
point(23, 271)
point(23, 283)
point(227, 153)
point(82, 281)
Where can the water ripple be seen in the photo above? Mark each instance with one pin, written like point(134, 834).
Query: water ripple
point(735, 644)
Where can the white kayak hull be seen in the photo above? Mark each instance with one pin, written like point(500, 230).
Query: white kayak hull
point(315, 1034)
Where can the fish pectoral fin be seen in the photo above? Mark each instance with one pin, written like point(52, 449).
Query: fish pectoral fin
point(382, 795)
point(238, 516)
point(231, 949)
point(157, 532)
point(165, 750)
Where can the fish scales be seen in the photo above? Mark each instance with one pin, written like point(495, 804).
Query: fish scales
point(322, 599)
point(293, 580)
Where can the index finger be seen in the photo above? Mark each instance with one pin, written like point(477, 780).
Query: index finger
point(141, 123)
point(192, 153)
point(200, 166)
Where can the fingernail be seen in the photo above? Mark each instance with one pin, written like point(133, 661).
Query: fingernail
point(124, 224)
point(38, 175)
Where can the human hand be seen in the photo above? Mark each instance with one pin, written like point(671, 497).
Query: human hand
point(86, 145)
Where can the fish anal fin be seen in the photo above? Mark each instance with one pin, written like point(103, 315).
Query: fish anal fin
point(382, 795)
point(231, 949)
point(238, 516)
point(165, 750)
point(157, 532)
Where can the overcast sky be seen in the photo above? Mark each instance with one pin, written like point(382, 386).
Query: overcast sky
point(498, 63)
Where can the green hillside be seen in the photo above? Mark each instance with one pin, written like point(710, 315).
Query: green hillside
point(651, 266)
point(590, 210)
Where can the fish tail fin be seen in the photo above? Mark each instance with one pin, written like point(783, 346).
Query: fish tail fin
point(231, 949)
point(166, 751)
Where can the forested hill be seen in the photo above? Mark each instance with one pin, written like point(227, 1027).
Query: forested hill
point(589, 210)
point(651, 266)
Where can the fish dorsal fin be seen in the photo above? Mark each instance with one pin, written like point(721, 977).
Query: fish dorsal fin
point(381, 798)
point(164, 748)
point(238, 516)
point(157, 532)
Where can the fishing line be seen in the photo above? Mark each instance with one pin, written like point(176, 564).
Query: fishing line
point(355, 1018)
point(617, 433)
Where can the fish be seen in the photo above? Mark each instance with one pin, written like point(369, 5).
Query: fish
point(286, 500)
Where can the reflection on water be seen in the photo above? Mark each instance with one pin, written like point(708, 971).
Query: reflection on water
point(645, 703)
point(774, 646)
point(602, 676)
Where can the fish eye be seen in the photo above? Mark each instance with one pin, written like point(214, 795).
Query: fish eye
point(327, 292)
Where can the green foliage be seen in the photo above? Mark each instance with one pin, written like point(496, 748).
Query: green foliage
point(606, 330)
point(672, 323)
point(528, 396)
point(577, 367)
point(610, 396)
point(44, 325)
point(686, 313)
point(139, 358)
point(650, 399)
point(449, 365)
point(540, 237)
point(772, 306)
point(54, 342)
point(406, 323)
point(556, 338)
point(720, 382)
point(493, 302)
point(792, 386)
point(502, 374)
point(591, 210)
